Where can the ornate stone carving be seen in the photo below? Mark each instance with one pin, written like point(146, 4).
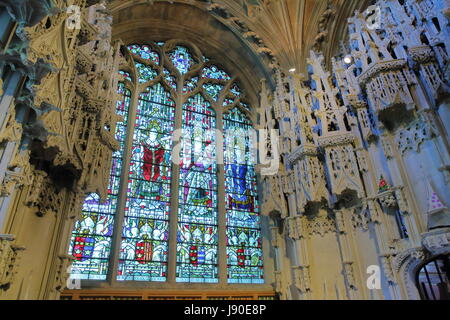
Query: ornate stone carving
point(9, 260)
point(302, 278)
point(62, 274)
point(412, 137)
point(387, 268)
point(349, 275)
point(320, 225)
point(388, 199)
point(402, 257)
point(361, 217)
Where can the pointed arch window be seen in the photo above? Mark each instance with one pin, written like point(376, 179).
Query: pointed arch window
point(171, 201)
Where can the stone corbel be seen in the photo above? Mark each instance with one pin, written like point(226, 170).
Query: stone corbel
point(388, 199)
point(394, 198)
point(43, 195)
point(422, 54)
point(9, 260)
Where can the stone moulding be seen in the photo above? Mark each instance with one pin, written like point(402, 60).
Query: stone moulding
point(422, 54)
point(301, 152)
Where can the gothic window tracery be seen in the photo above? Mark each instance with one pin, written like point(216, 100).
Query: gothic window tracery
point(158, 190)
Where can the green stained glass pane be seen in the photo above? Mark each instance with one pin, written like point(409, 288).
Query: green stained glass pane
point(181, 59)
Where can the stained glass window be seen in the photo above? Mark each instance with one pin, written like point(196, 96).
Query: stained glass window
point(244, 248)
point(145, 232)
point(235, 90)
point(92, 235)
point(170, 79)
point(190, 85)
point(213, 90)
point(197, 215)
point(181, 59)
point(153, 200)
point(145, 73)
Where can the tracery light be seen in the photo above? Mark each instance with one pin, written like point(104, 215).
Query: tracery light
point(143, 199)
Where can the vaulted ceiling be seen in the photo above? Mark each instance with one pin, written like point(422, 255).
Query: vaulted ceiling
point(256, 35)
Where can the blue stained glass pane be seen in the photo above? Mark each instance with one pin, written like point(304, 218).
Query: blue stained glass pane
point(92, 235)
point(182, 59)
point(213, 72)
point(145, 52)
point(144, 246)
point(244, 249)
point(197, 215)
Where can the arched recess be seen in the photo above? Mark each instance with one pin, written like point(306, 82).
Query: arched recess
point(164, 21)
point(433, 278)
point(141, 72)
